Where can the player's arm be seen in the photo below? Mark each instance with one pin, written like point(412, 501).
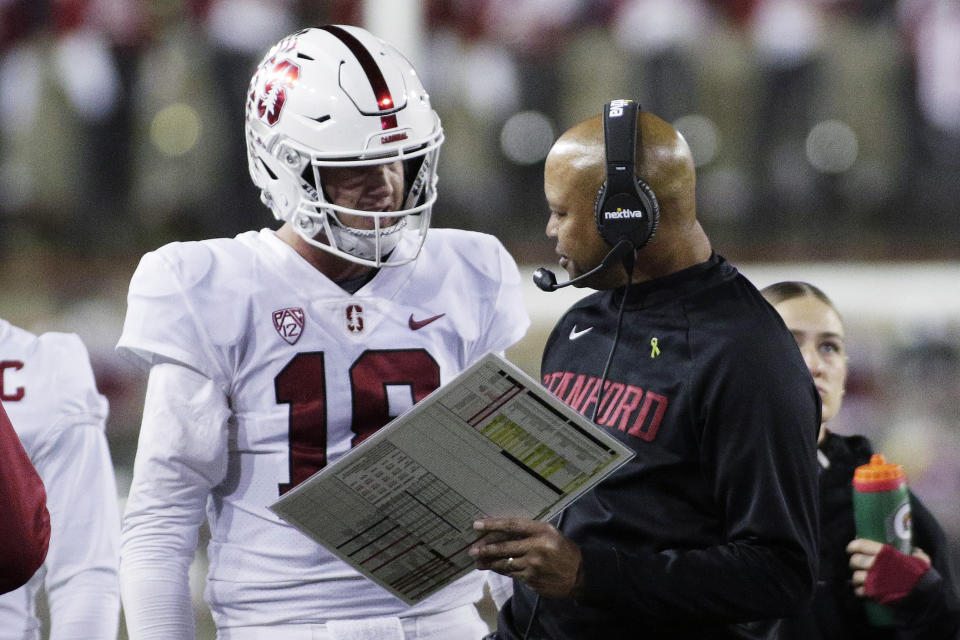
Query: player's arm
point(81, 578)
point(73, 459)
point(25, 523)
point(181, 456)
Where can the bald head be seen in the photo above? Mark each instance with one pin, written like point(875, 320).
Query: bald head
point(576, 168)
point(663, 160)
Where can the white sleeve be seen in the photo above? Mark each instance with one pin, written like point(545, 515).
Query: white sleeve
point(181, 455)
point(74, 461)
point(176, 312)
point(81, 577)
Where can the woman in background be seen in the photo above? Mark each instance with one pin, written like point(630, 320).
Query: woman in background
point(918, 587)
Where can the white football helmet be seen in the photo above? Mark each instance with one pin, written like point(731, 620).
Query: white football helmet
point(336, 96)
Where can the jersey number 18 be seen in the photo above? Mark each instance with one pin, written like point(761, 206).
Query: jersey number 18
point(302, 385)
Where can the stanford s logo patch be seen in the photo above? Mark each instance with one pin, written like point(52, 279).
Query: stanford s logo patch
point(289, 323)
point(282, 76)
point(355, 318)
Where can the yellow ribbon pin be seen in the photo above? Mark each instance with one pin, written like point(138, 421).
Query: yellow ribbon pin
point(654, 350)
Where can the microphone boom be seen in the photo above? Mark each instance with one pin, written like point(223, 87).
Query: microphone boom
point(547, 281)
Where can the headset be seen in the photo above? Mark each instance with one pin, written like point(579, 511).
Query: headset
point(626, 210)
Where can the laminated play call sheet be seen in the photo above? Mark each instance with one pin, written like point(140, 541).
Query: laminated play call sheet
point(492, 442)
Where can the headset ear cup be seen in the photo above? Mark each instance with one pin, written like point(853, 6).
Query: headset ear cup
point(637, 230)
point(652, 207)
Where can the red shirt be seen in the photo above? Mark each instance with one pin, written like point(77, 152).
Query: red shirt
point(24, 520)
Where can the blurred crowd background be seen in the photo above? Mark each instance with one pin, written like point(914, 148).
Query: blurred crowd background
point(826, 135)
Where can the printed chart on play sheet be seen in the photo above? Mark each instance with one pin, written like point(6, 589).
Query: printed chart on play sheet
point(400, 507)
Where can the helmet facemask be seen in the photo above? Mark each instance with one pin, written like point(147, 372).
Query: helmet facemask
point(318, 220)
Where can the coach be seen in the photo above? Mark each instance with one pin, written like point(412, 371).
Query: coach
point(710, 530)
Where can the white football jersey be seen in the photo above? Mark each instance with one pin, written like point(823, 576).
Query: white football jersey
point(309, 371)
point(49, 393)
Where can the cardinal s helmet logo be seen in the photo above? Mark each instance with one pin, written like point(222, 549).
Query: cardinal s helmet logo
point(282, 77)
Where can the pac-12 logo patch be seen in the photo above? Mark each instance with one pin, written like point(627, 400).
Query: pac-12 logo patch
point(289, 323)
point(282, 76)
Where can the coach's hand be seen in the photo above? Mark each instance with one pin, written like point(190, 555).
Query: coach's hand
point(531, 551)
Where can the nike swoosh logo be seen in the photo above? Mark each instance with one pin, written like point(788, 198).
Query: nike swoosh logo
point(574, 334)
point(420, 324)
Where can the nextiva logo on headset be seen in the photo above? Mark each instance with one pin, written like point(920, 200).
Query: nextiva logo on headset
point(619, 214)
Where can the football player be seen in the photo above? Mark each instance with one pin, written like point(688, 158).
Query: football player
point(272, 353)
point(49, 392)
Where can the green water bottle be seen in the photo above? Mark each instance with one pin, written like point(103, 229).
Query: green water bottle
point(881, 510)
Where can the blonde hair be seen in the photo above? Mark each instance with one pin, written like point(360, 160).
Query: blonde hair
point(790, 289)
